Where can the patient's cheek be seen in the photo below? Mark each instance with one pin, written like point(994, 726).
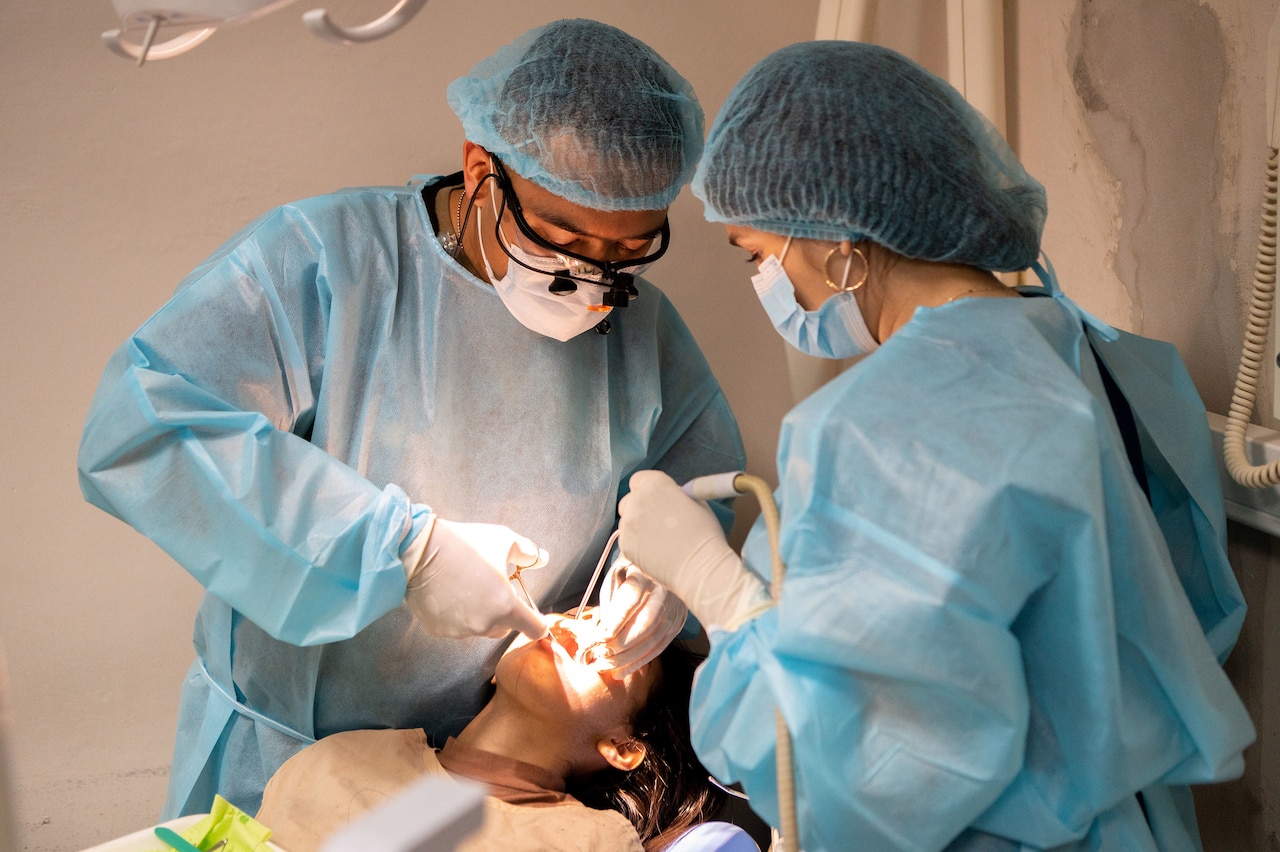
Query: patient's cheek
point(550, 668)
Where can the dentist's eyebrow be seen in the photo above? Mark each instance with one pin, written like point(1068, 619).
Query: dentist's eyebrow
point(557, 221)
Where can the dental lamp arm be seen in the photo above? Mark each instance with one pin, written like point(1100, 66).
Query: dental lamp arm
point(176, 46)
point(324, 27)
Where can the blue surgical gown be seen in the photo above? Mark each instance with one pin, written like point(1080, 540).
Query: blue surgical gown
point(280, 426)
point(988, 637)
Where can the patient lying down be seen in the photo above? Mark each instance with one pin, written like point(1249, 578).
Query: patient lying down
point(574, 759)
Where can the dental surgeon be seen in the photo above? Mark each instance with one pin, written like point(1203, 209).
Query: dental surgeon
point(1006, 597)
point(364, 419)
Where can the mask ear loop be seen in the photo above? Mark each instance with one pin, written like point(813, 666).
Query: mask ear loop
point(501, 238)
point(843, 286)
point(785, 248)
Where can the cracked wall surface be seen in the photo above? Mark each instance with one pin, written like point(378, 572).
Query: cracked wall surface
point(1144, 119)
point(1150, 75)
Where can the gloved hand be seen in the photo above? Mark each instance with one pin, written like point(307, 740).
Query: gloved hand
point(640, 618)
point(459, 580)
point(678, 541)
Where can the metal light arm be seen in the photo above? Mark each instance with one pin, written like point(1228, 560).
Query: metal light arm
point(176, 46)
point(323, 26)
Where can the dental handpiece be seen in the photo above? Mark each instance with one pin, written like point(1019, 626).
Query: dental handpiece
point(713, 486)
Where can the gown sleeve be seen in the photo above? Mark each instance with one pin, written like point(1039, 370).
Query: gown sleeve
point(197, 438)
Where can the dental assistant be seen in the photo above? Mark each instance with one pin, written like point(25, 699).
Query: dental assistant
point(1007, 596)
point(365, 413)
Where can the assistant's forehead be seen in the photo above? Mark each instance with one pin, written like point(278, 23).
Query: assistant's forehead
point(744, 236)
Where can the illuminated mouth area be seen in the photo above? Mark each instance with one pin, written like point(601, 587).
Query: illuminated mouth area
point(565, 638)
point(581, 640)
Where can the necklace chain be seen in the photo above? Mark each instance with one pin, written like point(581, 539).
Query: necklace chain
point(971, 292)
point(452, 242)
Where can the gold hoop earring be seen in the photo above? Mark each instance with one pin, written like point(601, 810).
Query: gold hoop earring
point(843, 286)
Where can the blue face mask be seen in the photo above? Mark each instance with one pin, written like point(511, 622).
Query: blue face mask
point(835, 330)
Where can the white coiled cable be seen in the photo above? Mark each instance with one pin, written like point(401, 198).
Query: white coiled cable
point(1261, 306)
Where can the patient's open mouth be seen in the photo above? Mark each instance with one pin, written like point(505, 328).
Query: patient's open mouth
point(565, 638)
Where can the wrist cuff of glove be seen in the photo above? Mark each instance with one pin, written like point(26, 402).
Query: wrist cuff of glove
point(414, 550)
point(749, 614)
point(732, 608)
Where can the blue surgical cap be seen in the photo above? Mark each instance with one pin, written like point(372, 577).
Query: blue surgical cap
point(839, 140)
point(586, 111)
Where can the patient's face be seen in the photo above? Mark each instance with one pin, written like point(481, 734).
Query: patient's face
point(544, 677)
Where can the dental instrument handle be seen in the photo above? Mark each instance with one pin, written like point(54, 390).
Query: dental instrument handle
point(595, 577)
point(532, 603)
point(175, 840)
point(714, 486)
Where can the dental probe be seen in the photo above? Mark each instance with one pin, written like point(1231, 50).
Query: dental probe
point(543, 559)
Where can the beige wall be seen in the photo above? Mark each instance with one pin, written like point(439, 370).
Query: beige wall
point(1142, 117)
point(1145, 121)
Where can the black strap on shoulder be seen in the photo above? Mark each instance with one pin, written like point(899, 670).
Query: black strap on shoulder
point(1133, 449)
point(1128, 426)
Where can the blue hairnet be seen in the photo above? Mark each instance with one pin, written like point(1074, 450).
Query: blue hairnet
point(586, 111)
point(842, 140)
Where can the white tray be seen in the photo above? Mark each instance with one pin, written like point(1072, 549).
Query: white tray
point(146, 840)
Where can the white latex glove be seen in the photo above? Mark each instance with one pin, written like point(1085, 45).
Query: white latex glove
point(678, 541)
point(460, 580)
point(640, 617)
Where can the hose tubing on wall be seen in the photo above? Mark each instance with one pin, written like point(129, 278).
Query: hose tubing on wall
point(1255, 343)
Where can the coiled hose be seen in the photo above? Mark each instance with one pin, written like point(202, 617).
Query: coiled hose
point(1255, 341)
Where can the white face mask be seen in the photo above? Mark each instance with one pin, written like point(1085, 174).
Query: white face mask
point(524, 292)
point(835, 330)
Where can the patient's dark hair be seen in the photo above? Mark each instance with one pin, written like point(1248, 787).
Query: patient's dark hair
point(669, 791)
